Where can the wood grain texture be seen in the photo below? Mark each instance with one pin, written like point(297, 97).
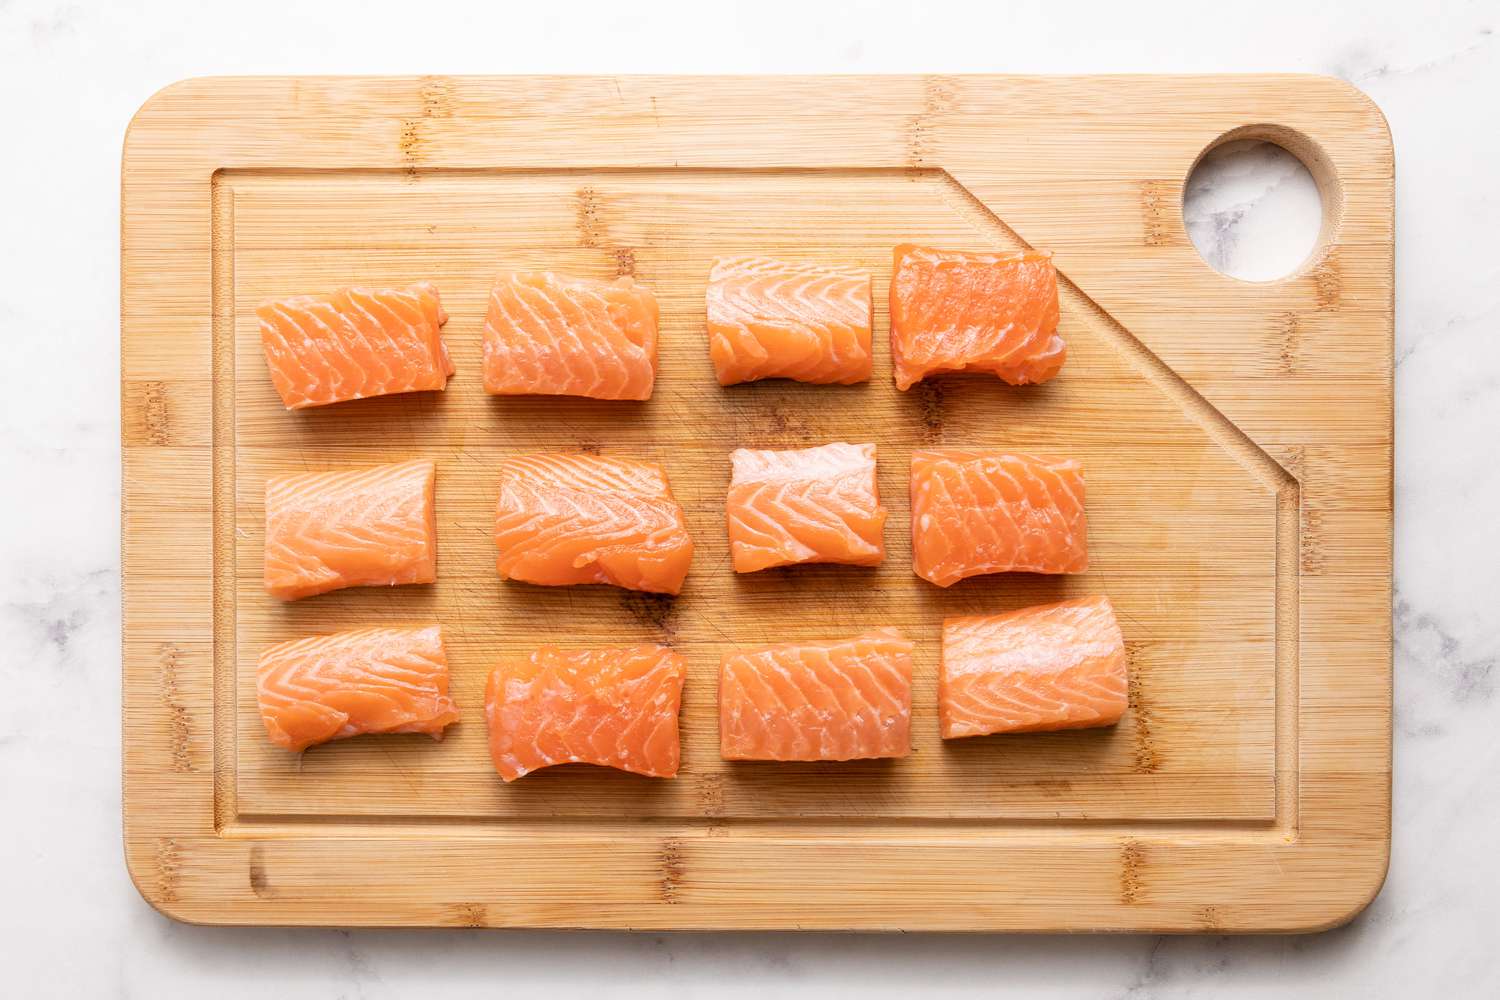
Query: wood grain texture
point(1236, 438)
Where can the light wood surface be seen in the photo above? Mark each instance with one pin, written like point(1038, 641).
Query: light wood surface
point(1236, 439)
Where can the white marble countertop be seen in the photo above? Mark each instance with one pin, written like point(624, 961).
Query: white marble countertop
point(72, 74)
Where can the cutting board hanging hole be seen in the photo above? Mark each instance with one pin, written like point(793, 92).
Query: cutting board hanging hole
point(1260, 204)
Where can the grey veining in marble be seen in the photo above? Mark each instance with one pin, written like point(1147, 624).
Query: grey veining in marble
point(1252, 210)
point(71, 74)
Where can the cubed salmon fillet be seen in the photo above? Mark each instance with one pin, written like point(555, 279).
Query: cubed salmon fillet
point(989, 312)
point(839, 700)
point(1055, 666)
point(362, 528)
point(374, 680)
point(616, 707)
point(553, 335)
point(354, 343)
point(774, 319)
point(566, 519)
point(810, 505)
point(976, 511)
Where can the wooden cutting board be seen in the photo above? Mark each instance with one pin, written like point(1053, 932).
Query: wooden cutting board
point(1237, 439)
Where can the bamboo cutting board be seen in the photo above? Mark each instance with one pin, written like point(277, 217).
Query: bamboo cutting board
point(1237, 439)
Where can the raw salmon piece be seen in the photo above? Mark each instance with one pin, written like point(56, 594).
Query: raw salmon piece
point(373, 680)
point(772, 319)
point(355, 343)
point(615, 706)
point(840, 700)
point(806, 506)
point(992, 312)
point(364, 528)
point(1054, 666)
point(565, 519)
point(975, 511)
point(552, 335)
